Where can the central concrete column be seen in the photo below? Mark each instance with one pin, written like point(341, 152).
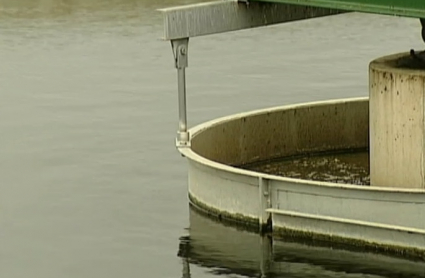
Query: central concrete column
point(396, 123)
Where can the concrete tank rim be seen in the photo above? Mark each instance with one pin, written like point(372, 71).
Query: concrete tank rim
point(193, 156)
point(387, 64)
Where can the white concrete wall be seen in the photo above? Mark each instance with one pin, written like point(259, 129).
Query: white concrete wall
point(386, 217)
point(389, 207)
point(223, 190)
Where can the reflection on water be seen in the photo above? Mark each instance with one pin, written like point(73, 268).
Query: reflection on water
point(222, 249)
point(226, 250)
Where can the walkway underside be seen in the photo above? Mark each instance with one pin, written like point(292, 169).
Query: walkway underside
point(407, 8)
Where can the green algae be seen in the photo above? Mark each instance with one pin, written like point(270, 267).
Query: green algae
point(333, 241)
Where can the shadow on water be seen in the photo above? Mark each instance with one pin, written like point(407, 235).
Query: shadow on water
point(228, 250)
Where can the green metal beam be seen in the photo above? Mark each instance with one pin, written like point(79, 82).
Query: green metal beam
point(406, 8)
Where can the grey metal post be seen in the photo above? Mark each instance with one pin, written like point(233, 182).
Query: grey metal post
point(180, 51)
point(265, 203)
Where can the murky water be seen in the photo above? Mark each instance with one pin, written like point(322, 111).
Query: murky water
point(347, 168)
point(90, 182)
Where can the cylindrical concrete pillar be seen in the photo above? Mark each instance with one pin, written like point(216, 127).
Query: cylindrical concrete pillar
point(397, 126)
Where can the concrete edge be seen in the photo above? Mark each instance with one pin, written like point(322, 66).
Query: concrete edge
point(389, 63)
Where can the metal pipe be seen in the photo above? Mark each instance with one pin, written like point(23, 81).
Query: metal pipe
point(180, 52)
point(181, 79)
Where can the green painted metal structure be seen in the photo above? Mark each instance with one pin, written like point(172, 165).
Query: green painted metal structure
point(405, 8)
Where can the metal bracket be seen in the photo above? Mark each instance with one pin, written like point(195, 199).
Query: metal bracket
point(180, 52)
point(180, 48)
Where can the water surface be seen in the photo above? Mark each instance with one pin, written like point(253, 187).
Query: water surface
point(90, 182)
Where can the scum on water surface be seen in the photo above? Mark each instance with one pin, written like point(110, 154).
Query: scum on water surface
point(347, 167)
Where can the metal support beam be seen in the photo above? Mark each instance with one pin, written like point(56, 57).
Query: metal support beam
point(181, 23)
point(407, 8)
point(231, 15)
point(180, 51)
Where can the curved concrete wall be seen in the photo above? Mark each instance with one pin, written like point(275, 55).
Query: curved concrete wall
point(284, 131)
point(383, 218)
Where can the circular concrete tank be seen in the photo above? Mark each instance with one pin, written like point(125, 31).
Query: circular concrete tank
point(377, 217)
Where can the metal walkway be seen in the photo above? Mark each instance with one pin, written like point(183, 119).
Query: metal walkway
point(406, 8)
